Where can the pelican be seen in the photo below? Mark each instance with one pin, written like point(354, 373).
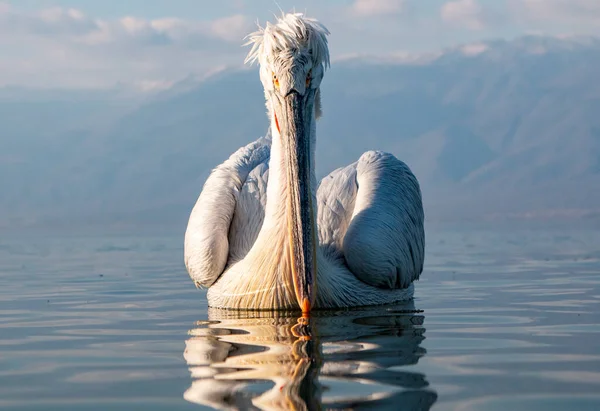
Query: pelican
point(264, 236)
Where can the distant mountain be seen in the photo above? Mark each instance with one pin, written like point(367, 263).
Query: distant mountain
point(492, 130)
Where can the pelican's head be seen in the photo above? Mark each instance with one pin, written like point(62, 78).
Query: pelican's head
point(293, 56)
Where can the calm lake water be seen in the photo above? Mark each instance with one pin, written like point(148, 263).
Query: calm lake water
point(502, 319)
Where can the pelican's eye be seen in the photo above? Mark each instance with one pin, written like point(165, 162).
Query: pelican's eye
point(308, 78)
point(275, 81)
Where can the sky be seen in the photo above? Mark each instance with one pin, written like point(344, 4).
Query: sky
point(151, 44)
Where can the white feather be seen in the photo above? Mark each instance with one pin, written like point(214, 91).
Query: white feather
point(206, 249)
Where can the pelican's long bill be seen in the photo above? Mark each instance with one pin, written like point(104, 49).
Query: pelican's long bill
point(295, 130)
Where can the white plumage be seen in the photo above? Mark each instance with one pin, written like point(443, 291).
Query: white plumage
point(256, 208)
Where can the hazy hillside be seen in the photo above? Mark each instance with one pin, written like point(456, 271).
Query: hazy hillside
point(497, 129)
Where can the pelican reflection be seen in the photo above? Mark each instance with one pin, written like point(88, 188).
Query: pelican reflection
point(335, 359)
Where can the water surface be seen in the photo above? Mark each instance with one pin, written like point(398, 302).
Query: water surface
point(502, 319)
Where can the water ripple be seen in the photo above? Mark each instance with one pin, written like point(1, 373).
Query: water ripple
point(510, 320)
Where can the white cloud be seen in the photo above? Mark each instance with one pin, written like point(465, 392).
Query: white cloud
point(464, 13)
point(133, 25)
point(232, 28)
point(152, 85)
point(57, 14)
point(474, 49)
point(377, 7)
point(62, 47)
point(59, 47)
point(565, 11)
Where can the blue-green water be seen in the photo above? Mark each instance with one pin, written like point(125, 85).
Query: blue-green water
point(501, 320)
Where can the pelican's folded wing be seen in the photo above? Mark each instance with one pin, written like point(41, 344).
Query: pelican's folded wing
point(372, 213)
point(385, 242)
point(207, 245)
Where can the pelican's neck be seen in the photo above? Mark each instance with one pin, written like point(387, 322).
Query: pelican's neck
point(276, 209)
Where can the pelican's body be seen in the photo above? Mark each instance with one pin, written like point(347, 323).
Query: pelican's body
point(262, 236)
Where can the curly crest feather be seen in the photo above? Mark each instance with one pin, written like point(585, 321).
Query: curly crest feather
point(291, 31)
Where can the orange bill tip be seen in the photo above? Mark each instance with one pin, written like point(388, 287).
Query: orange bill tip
point(305, 306)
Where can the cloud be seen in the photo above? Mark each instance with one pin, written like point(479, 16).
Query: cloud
point(67, 47)
point(74, 26)
point(232, 28)
point(152, 85)
point(565, 11)
point(474, 49)
point(464, 13)
point(377, 7)
point(61, 47)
